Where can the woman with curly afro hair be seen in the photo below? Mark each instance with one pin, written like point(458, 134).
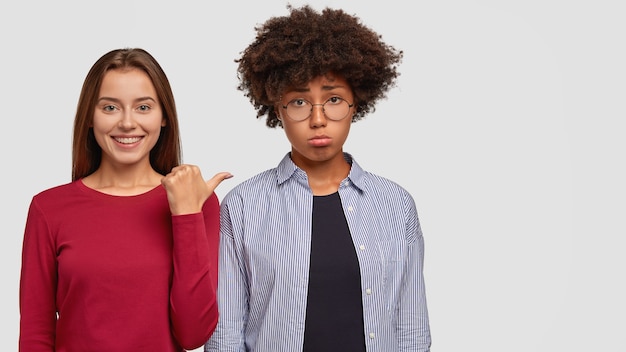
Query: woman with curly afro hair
point(318, 254)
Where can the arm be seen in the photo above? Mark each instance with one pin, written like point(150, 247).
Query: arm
point(195, 226)
point(413, 329)
point(193, 302)
point(38, 284)
point(232, 288)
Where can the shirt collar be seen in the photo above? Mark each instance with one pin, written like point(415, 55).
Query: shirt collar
point(287, 169)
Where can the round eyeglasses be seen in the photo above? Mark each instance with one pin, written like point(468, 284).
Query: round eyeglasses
point(335, 109)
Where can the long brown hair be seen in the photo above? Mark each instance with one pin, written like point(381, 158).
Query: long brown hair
point(86, 153)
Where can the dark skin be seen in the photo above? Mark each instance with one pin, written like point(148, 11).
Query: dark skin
point(289, 55)
point(317, 142)
point(290, 51)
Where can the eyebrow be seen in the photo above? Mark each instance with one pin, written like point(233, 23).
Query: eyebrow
point(306, 89)
point(117, 100)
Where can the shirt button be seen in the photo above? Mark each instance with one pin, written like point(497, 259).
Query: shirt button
point(371, 335)
point(368, 291)
point(350, 208)
point(362, 247)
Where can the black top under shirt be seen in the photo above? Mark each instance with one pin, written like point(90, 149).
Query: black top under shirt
point(334, 312)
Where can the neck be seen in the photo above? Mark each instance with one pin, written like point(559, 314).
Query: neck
point(123, 181)
point(325, 176)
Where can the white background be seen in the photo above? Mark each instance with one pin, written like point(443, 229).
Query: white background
point(507, 127)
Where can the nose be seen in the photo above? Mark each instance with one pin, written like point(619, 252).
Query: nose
point(318, 117)
point(127, 121)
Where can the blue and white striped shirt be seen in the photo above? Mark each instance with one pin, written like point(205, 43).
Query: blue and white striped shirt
point(264, 262)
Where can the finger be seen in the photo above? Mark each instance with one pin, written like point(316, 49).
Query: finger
point(217, 179)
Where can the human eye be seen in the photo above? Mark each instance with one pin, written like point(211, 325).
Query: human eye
point(109, 108)
point(335, 100)
point(144, 107)
point(298, 103)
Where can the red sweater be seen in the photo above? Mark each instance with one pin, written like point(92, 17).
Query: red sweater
point(112, 273)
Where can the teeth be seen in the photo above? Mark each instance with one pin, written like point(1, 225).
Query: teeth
point(128, 140)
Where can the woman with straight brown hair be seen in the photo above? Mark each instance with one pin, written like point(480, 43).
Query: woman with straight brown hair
point(124, 257)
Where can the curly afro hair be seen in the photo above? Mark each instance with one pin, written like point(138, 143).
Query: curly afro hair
point(291, 50)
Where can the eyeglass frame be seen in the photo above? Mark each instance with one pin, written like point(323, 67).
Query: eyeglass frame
point(350, 105)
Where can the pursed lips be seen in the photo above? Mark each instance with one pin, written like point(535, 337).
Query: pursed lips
point(320, 141)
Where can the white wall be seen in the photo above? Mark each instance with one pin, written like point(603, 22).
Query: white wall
point(507, 128)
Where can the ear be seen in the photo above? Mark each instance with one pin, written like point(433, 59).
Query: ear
point(163, 122)
point(277, 112)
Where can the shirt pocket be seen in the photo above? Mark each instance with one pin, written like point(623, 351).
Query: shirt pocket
point(392, 267)
point(390, 251)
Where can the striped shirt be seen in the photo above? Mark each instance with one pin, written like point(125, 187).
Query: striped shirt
point(265, 242)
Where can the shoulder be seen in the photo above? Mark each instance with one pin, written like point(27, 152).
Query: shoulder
point(254, 186)
point(57, 192)
point(382, 191)
point(387, 193)
point(375, 184)
point(57, 200)
point(385, 185)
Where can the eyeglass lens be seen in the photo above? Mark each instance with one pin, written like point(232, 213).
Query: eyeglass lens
point(334, 109)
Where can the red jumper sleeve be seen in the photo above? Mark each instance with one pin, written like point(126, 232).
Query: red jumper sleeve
point(38, 283)
point(193, 303)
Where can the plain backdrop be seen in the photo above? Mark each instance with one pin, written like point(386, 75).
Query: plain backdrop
point(506, 126)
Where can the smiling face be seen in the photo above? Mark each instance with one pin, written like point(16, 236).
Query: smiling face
point(128, 118)
point(317, 139)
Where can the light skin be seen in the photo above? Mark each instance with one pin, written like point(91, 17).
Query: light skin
point(127, 123)
point(317, 142)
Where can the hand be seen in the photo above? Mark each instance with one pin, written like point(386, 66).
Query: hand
point(187, 190)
